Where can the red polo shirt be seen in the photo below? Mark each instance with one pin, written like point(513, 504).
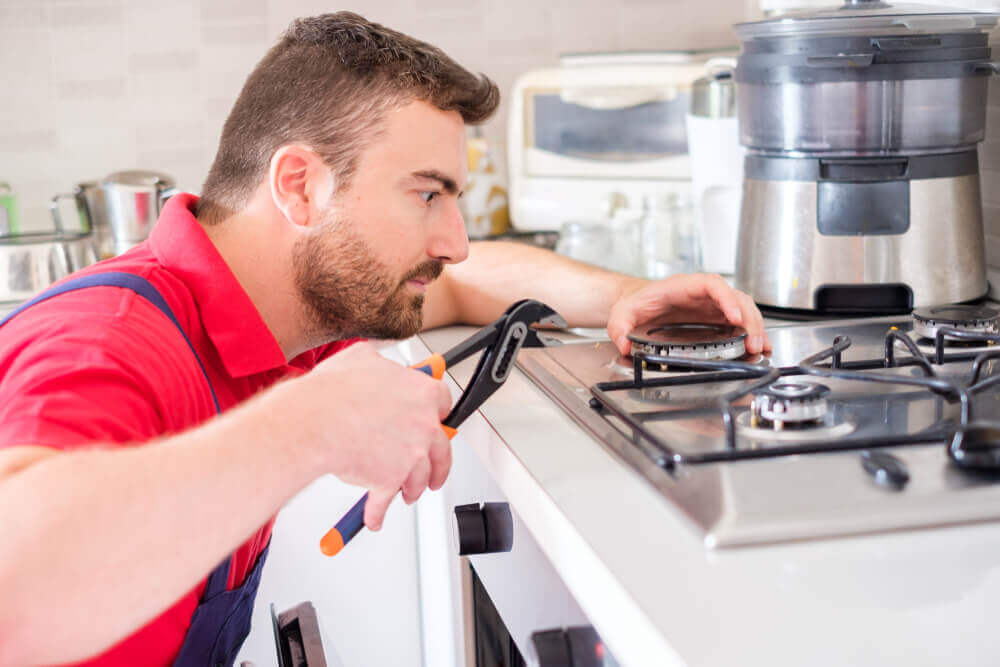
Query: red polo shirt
point(103, 364)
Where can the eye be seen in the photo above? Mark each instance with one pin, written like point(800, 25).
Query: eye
point(428, 196)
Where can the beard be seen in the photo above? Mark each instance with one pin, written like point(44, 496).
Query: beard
point(348, 292)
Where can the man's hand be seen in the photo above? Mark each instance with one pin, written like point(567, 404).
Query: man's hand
point(377, 425)
point(687, 298)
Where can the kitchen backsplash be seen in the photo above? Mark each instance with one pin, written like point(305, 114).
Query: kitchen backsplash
point(92, 87)
point(98, 86)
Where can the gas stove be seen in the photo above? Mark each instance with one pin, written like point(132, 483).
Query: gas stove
point(848, 427)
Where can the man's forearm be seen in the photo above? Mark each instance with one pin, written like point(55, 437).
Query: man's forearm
point(96, 543)
point(499, 273)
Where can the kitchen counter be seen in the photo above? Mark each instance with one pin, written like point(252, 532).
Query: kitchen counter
point(658, 596)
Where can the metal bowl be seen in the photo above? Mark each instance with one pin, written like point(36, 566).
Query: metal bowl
point(29, 263)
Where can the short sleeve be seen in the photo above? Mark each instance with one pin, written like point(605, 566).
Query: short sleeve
point(63, 392)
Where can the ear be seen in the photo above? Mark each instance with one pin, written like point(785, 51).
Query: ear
point(300, 182)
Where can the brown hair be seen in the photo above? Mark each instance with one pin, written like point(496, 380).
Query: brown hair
point(327, 83)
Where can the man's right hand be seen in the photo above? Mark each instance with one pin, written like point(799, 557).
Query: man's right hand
point(373, 423)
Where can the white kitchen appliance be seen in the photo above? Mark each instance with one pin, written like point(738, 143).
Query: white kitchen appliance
point(716, 164)
point(861, 189)
point(599, 131)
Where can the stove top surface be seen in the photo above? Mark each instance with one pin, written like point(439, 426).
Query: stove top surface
point(836, 432)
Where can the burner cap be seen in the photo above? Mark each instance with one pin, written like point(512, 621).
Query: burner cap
point(976, 319)
point(790, 402)
point(690, 341)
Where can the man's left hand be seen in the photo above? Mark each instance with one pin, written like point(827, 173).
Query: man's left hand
point(701, 298)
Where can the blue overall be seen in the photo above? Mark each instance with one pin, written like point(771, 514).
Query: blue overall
point(221, 620)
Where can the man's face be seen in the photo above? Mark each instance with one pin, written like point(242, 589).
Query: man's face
point(364, 269)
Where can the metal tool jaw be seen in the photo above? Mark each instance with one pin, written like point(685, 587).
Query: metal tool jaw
point(500, 343)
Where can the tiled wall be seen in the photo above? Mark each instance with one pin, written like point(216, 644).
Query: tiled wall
point(94, 86)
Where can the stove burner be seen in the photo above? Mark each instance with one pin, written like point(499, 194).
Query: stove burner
point(690, 341)
point(824, 431)
point(784, 403)
point(975, 319)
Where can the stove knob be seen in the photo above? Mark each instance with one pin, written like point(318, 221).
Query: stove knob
point(578, 646)
point(484, 529)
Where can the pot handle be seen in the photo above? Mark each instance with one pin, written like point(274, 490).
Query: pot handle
point(722, 66)
point(991, 67)
point(54, 209)
point(163, 195)
point(86, 220)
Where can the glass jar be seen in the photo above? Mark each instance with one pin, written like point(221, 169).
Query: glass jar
point(669, 241)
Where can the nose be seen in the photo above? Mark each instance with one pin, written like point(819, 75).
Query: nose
point(449, 241)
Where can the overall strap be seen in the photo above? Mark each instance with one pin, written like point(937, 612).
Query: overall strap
point(218, 579)
point(130, 281)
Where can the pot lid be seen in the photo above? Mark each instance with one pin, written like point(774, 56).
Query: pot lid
point(139, 178)
point(862, 17)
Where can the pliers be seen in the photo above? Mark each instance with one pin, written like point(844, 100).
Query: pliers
point(499, 342)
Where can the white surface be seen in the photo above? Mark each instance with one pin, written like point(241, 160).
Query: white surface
point(656, 595)
point(366, 597)
point(716, 188)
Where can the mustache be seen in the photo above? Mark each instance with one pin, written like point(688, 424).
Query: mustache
point(429, 270)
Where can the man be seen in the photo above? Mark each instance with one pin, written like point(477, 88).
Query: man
point(330, 213)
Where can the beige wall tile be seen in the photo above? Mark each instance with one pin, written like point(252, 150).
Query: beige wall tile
point(164, 61)
point(993, 251)
point(88, 54)
point(33, 141)
point(85, 15)
point(159, 27)
point(680, 25)
point(168, 135)
point(29, 15)
point(163, 96)
point(25, 57)
point(226, 10)
point(111, 89)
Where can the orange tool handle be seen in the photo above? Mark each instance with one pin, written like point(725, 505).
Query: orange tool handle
point(433, 365)
point(354, 520)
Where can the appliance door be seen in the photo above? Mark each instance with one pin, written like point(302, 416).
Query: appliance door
point(611, 132)
point(507, 597)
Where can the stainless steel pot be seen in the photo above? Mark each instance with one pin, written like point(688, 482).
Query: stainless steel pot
point(133, 200)
point(31, 262)
point(867, 78)
point(88, 198)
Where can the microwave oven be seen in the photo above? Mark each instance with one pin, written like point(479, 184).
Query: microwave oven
point(599, 132)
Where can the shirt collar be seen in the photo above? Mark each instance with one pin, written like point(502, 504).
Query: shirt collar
point(232, 322)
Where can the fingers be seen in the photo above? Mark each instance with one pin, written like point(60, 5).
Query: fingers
point(416, 481)
point(440, 460)
point(443, 397)
point(756, 342)
point(701, 297)
point(618, 329)
point(376, 506)
point(726, 299)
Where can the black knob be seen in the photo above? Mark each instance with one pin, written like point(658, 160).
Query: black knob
point(552, 648)
point(885, 469)
point(484, 529)
point(579, 646)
